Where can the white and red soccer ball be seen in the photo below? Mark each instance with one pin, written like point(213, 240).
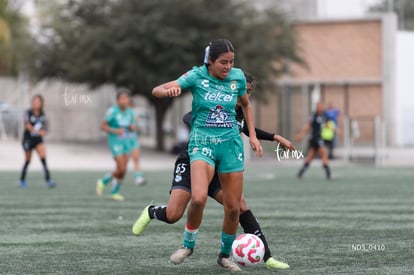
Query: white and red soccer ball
point(248, 250)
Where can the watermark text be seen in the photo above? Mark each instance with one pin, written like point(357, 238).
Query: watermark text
point(282, 153)
point(74, 98)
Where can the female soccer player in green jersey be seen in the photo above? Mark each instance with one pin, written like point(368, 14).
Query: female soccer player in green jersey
point(118, 123)
point(214, 142)
point(180, 191)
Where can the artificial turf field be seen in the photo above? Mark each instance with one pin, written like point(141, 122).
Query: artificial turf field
point(360, 223)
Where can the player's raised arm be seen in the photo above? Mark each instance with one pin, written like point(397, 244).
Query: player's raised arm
point(169, 89)
point(303, 132)
point(264, 135)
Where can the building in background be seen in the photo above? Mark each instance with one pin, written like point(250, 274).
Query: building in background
point(351, 63)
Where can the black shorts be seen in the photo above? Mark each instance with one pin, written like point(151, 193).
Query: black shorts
point(30, 143)
point(315, 144)
point(182, 179)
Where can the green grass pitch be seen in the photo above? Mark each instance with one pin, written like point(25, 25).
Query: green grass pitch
point(360, 223)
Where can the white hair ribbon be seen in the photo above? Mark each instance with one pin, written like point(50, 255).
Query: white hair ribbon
point(206, 54)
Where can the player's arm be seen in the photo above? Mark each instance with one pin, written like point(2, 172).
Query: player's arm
point(303, 132)
point(169, 89)
point(248, 114)
point(105, 127)
point(132, 125)
point(43, 131)
point(28, 126)
point(264, 135)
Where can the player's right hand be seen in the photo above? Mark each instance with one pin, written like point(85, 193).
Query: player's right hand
point(173, 91)
point(120, 131)
point(256, 146)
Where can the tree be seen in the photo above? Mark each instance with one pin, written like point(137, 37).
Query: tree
point(16, 42)
point(140, 44)
point(403, 8)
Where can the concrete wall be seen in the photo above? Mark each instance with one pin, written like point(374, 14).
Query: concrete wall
point(74, 111)
point(405, 88)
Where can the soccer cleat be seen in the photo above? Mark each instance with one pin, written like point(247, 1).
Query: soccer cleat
point(139, 181)
point(271, 263)
point(180, 255)
point(51, 184)
point(23, 184)
point(227, 263)
point(117, 197)
point(142, 222)
point(100, 187)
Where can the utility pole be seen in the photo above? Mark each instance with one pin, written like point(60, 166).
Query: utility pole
point(390, 5)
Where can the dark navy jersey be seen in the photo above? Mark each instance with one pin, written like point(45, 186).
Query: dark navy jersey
point(38, 122)
point(316, 122)
point(260, 134)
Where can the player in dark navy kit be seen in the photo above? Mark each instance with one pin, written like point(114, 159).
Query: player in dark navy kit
point(35, 129)
point(316, 144)
point(180, 192)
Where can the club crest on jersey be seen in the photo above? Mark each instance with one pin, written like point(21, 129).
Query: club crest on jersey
point(178, 178)
point(233, 85)
point(219, 118)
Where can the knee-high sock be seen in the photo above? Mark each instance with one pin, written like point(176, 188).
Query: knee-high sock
point(190, 236)
point(303, 169)
point(116, 186)
point(226, 242)
point(45, 169)
point(107, 178)
point(327, 170)
point(158, 212)
point(250, 225)
point(24, 170)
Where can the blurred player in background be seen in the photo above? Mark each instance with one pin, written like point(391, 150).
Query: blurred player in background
point(332, 115)
point(118, 123)
point(136, 152)
point(328, 136)
point(180, 192)
point(316, 145)
point(35, 127)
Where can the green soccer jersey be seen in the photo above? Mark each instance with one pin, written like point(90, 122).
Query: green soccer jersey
point(117, 119)
point(214, 102)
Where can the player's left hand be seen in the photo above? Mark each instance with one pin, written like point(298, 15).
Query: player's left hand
point(132, 128)
point(256, 146)
point(41, 132)
point(286, 144)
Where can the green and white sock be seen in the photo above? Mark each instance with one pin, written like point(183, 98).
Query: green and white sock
point(107, 178)
point(190, 236)
point(226, 243)
point(116, 186)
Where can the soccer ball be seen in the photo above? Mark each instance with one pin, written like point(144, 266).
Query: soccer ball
point(248, 250)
